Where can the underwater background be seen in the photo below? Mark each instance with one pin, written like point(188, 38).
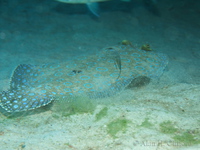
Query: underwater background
point(146, 95)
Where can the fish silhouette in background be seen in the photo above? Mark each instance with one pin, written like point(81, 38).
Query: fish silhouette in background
point(96, 76)
point(93, 5)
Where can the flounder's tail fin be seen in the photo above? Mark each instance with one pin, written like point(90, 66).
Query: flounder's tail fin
point(21, 96)
point(94, 8)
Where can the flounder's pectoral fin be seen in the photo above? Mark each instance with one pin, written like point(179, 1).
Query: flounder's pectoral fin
point(21, 96)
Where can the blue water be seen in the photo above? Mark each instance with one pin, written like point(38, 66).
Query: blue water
point(40, 32)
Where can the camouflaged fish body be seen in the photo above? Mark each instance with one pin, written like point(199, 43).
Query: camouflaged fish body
point(140, 62)
point(96, 76)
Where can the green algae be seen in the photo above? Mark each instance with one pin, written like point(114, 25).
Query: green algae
point(146, 123)
point(167, 127)
point(183, 137)
point(117, 125)
point(101, 114)
point(187, 139)
point(74, 105)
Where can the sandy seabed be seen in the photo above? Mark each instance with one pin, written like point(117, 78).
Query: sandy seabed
point(163, 115)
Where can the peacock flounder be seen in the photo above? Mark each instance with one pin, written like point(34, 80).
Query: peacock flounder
point(96, 76)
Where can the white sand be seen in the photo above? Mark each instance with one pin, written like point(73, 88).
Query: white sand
point(48, 130)
point(35, 33)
